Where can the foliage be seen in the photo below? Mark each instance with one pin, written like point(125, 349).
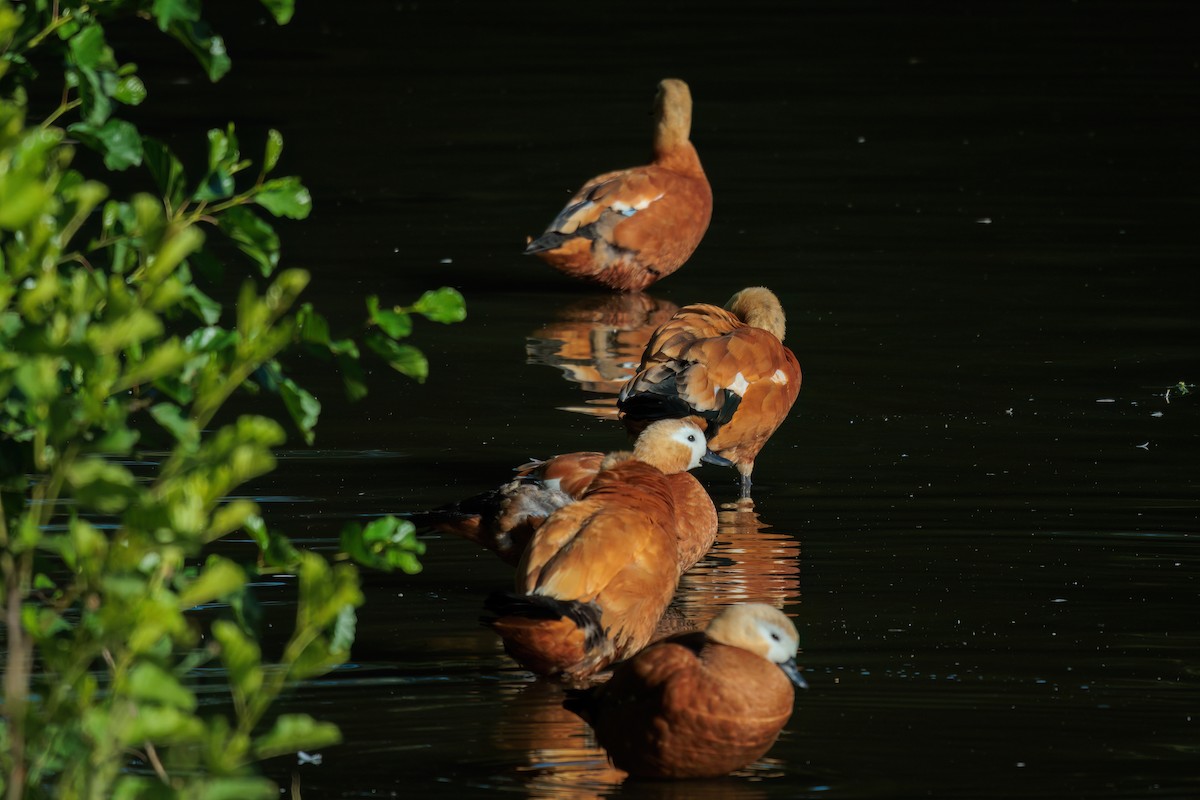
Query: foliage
point(109, 342)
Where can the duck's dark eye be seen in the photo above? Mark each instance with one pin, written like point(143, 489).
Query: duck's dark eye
point(775, 637)
point(691, 437)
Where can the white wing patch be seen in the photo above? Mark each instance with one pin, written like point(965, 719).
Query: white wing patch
point(739, 384)
point(779, 377)
point(629, 209)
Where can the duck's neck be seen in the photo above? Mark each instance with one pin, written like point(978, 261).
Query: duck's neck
point(759, 308)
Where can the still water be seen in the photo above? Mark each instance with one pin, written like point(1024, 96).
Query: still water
point(982, 513)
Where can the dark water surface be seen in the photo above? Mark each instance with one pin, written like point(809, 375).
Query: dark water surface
point(982, 221)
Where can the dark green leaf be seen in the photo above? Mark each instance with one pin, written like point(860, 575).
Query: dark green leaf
point(303, 407)
point(254, 236)
point(352, 376)
point(403, 358)
point(165, 169)
point(205, 45)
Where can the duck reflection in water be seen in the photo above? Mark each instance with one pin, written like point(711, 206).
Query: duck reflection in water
point(597, 343)
point(558, 757)
point(748, 563)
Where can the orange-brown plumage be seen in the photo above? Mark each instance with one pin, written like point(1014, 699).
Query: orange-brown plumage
point(629, 228)
point(727, 365)
point(699, 704)
point(504, 519)
point(598, 574)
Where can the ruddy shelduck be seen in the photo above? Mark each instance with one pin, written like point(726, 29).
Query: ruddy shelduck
point(598, 574)
point(629, 228)
point(504, 519)
point(728, 366)
point(699, 705)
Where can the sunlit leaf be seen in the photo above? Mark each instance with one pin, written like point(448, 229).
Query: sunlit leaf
point(395, 324)
point(101, 485)
point(292, 732)
point(285, 197)
point(117, 140)
point(169, 11)
point(273, 151)
point(442, 305)
point(241, 657)
point(149, 682)
point(220, 577)
point(280, 9)
point(130, 90)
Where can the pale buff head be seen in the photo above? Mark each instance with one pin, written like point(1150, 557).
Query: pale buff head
point(760, 629)
point(671, 445)
point(758, 307)
point(672, 115)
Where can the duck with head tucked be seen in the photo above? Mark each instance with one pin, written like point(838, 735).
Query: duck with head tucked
point(728, 366)
point(598, 573)
point(698, 705)
point(629, 228)
point(504, 519)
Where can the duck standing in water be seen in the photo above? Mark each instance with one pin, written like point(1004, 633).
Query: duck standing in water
point(728, 366)
point(598, 573)
point(698, 705)
point(627, 229)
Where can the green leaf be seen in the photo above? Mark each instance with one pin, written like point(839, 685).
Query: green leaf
point(164, 360)
point(444, 305)
point(285, 197)
point(136, 326)
point(253, 235)
point(386, 543)
point(220, 577)
point(206, 46)
point(247, 788)
point(403, 358)
point(293, 732)
point(230, 517)
point(241, 657)
point(353, 378)
point(130, 90)
point(274, 150)
point(303, 407)
point(101, 485)
point(89, 50)
point(150, 683)
point(169, 11)
point(117, 140)
point(165, 168)
point(395, 324)
point(171, 417)
point(280, 9)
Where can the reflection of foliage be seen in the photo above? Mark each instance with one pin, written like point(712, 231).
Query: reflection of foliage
point(108, 339)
